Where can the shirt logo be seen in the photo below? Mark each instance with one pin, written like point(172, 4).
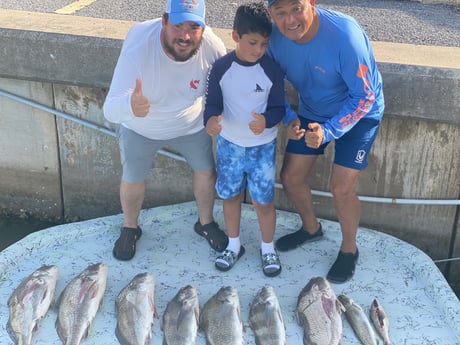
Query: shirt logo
point(194, 84)
point(258, 88)
point(360, 156)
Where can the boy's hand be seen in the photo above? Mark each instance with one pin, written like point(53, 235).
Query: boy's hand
point(257, 126)
point(314, 136)
point(213, 125)
point(294, 131)
point(139, 103)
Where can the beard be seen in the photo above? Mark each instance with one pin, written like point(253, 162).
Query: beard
point(170, 47)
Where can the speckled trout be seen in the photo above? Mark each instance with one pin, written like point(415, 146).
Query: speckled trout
point(319, 313)
point(30, 302)
point(220, 318)
point(358, 321)
point(181, 318)
point(136, 310)
point(380, 320)
point(266, 319)
point(79, 303)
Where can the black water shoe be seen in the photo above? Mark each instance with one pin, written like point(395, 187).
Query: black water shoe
point(292, 241)
point(343, 268)
point(125, 245)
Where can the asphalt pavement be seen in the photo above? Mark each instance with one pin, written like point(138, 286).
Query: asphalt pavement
point(399, 21)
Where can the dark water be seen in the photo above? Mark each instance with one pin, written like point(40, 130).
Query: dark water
point(14, 229)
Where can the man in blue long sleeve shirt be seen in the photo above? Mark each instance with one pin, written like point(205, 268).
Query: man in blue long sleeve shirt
point(327, 57)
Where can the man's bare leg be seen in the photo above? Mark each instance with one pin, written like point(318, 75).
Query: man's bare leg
point(294, 174)
point(347, 204)
point(348, 208)
point(203, 190)
point(131, 198)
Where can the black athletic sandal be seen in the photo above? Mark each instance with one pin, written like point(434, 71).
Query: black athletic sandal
point(217, 239)
point(125, 245)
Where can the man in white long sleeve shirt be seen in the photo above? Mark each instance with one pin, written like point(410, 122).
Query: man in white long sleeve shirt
point(157, 98)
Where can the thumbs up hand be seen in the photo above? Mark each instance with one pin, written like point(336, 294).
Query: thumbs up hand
point(257, 126)
point(139, 103)
point(213, 126)
point(314, 136)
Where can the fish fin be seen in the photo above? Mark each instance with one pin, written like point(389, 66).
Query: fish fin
point(60, 331)
point(88, 328)
point(121, 339)
point(241, 319)
point(11, 332)
point(339, 305)
point(196, 312)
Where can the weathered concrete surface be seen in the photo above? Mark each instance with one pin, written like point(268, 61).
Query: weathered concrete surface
point(30, 172)
point(54, 168)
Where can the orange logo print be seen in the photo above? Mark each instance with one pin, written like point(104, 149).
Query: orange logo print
point(364, 104)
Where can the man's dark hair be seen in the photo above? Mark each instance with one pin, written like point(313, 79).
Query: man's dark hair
point(252, 18)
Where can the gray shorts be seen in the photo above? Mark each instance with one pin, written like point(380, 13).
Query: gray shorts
point(137, 152)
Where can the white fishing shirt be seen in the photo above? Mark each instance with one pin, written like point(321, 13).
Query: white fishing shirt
point(176, 90)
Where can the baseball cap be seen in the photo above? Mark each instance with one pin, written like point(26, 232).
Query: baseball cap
point(271, 2)
point(186, 10)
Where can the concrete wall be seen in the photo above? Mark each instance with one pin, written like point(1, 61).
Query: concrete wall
point(54, 168)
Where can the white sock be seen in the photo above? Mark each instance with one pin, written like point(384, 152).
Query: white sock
point(267, 247)
point(234, 244)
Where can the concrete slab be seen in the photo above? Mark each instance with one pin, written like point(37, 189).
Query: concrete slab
point(420, 304)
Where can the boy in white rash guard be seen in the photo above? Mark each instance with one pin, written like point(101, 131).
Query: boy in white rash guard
point(157, 98)
point(328, 58)
point(244, 103)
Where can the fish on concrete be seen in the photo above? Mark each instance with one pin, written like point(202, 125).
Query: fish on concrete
point(30, 302)
point(266, 318)
point(380, 320)
point(135, 309)
point(319, 311)
point(220, 318)
point(358, 321)
point(79, 302)
point(181, 318)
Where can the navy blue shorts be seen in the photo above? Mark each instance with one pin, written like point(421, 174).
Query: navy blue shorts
point(351, 150)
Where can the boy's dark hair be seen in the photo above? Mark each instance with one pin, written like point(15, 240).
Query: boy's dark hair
point(252, 18)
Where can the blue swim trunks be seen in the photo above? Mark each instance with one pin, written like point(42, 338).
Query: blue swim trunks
point(238, 165)
point(351, 150)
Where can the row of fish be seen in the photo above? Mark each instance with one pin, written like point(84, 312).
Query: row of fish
point(78, 303)
point(361, 324)
point(318, 311)
point(80, 300)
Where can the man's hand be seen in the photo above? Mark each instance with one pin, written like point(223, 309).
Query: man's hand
point(139, 103)
point(314, 136)
point(294, 131)
point(257, 126)
point(213, 125)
